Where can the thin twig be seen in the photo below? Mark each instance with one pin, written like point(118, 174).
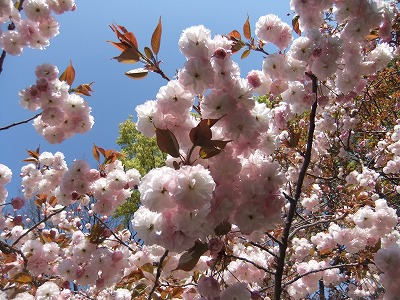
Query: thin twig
point(251, 262)
point(263, 248)
point(37, 224)
point(158, 274)
point(319, 270)
point(21, 122)
point(114, 234)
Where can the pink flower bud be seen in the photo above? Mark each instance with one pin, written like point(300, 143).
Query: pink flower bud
point(220, 53)
point(17, 202)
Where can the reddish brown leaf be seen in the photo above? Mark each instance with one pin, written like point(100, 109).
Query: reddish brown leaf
point(128, 56)
point(97, 234)
point(167, 142)
point(189, 259)
point(122, 28)
point(131, 39)
point(33, 160)
point(237, 46)
point(119, 46)
point(219, 144)
point(296, 24)
point(223, 228)
point(84, 89)
point(235, 34)
point(102, 151)
point(95, 153)
point(208, 152)
point(201, 134)
point(33, 154)
point(156, 38)
point(53, 200)
point(246, 29)
point(69, 74)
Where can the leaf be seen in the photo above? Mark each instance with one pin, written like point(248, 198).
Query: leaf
point(53, 200)
point(156, 38)
point(189, 259)
point(223, 228)
point(97, 234)
point(296, 24)
point(119, 46)
point(84, 89)
point(201, 134)
point(137, 73)
point(245, 53)
point(68, 75)
point(95, 153)
point(102, 151)
point(33, 154)
point(148, 267)
point(22, 277)
point(235, 35)
point(34, 160)
point(128, 56)
point(131, 39)
point(149, 53)
point(208, 152)
point(371, 37)
point(246, 29)
point(219, 144)
point(167, 142)
point(237, 46)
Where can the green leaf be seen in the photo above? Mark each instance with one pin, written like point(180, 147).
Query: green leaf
point(189, 259)
point(167, 142)
point(156, 38)
point(139, 73)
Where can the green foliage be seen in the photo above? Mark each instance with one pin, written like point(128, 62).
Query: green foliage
point(141, 153)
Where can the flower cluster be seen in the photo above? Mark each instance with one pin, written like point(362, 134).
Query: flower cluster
point(38, 26)
point(63, 114)
point(294, 190)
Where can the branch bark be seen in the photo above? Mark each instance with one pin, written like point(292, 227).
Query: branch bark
point(21, 122)
point(278, 288)
point(159, 269)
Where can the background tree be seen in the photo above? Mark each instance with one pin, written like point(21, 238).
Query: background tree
point(141, 153)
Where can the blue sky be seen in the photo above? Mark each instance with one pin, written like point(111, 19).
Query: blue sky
point(82, 39)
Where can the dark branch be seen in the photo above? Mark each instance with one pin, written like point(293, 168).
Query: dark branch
point(37, 224)
point(293, 202)
point(19, 123)
point(159, 269)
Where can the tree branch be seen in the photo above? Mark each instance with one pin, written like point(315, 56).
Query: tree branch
point(37, 224)
point(21, 122)
point(251, 262)
point(293, 204)
point(2, 57)
point(158, 274)
point(114, 234)
point(319, 270)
